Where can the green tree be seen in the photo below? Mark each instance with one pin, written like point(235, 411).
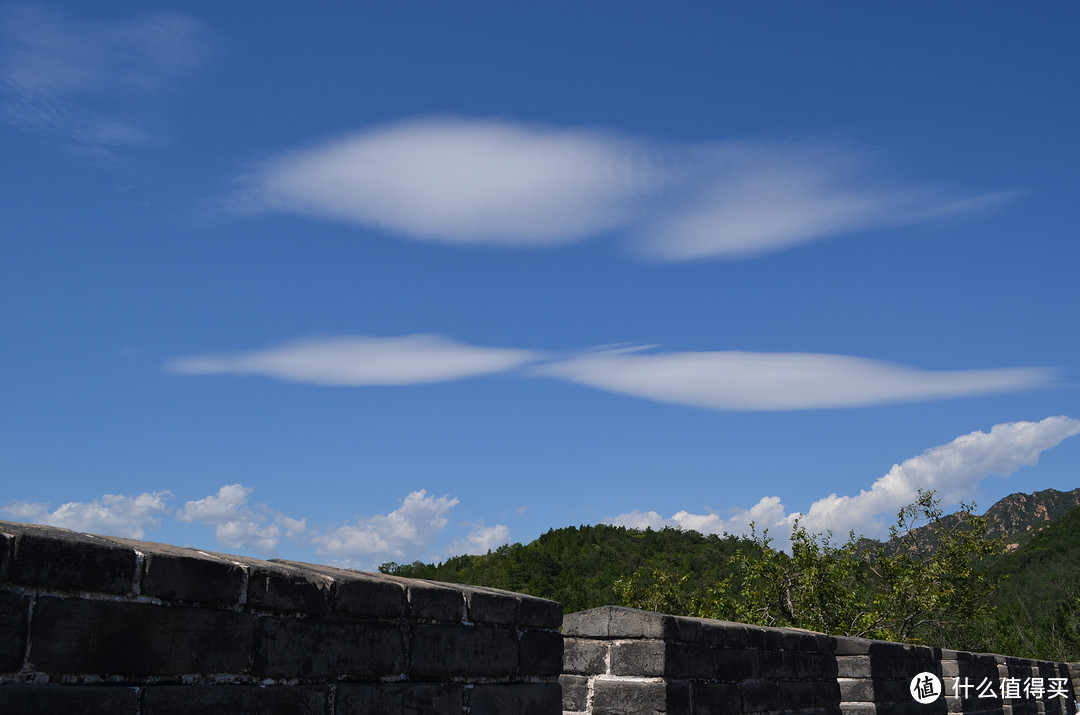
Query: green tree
point(926, 584)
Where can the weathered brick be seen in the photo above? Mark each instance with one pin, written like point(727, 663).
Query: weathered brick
point(732, 665)
point(761, 696)
point(853, 666)
point(57, 558)
point(314, 647)
point(515, 699)
point(540, 653)
point(584, 655)
point(436, 601)
point(443, 649)
point(488, 605)
point(358, 593)
point(174, 574)
point(856, 690)
point(539, 612)
point(247, 699)
point(281, 587)
point(68, 699)
point(619, 697)
point(687, 661)
point(79, 636)
point(399, 699)
point(717, 698)
point(13, 613)
point(575, 692)
point(618, 622)
point(641, 658)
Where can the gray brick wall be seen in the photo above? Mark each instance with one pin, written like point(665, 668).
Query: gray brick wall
point(91, 624)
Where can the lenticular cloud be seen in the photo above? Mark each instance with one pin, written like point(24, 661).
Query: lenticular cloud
point(510, 184)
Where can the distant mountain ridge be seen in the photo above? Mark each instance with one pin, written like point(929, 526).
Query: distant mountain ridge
point(1019, 517)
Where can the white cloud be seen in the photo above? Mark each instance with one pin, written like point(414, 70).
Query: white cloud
point(480, 540)
point(92, 84)
point(504, 183)
point(111, 515)
point(735, 380)
point(362, 360)
point(410, 528)
point(953, 470)
point(238, 525)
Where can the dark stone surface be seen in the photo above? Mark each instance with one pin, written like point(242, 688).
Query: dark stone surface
point(443, 650)
point(761, 696)
point(399, 699)
point(235, 700)
point(516, 699)
point(575, 692)
point(57, 558)
point(620, 698)
point(320, 648)
point(540, 653)
point(359, 593)
point(13, 612)
point(70, 635)
point(174, 574)
point(436, 601)
point(539, 612)
point(642, 658)
point(284, 588)
point(68, 699)
point(585, 656)
point(716, 698)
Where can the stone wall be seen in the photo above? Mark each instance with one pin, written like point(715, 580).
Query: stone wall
point(622, 661)
point(106, 625)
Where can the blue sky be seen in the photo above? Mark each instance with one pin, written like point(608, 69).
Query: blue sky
point(381, 282)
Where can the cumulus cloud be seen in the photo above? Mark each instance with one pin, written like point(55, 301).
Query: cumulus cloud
point(410, 528)
point(480, 540)
point(362, 360)
point(736, 380)
point(111, 515)
point(92, 85)
point(953, 470)
point(238, 525)
point(503, 183)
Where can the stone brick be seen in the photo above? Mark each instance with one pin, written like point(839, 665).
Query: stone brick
point(106, 637)
point(853, 666)
point(228, 699)
point(803, 695)
point(436, 601)
point(540, 653)
point(57, 558)
point(618, 622)
point(761, 696)
point(489, 605)
point(620, 697)
point(13, 613)
point(725, 635)
point(691, 662)
point(858, 709)
point(515, 699)
point(359, 593)
point(319, 648)
point(575, 692)
point(439, 649)
point(399, 699)
point(539, 613)
point(856, 690)
point(282, 587)
point(583, 655)
point(732, 665)
point(638, 658)
point(174, 574)
point(7, 544)
point(844, 645)
point(68, 699)
point(717, 698)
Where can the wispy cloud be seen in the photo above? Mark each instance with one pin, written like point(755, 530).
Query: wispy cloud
point(113, 514)
point(954, 470)
point(502, 183)
point(238, 525)
point(723, 380)
point(736, 380)
point(93, 85)
point(362, 360)
point(411, 528)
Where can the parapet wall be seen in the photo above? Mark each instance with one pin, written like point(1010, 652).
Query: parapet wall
point(105, 625)
point(621, 660)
